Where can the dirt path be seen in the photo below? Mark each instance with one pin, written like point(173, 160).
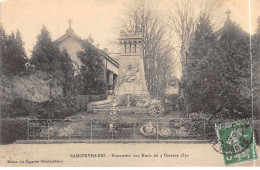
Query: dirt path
point(66, 155)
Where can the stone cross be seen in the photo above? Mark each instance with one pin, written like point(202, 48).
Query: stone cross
point(70, 21)
point(228, 12)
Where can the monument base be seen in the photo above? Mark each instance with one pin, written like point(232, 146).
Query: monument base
point(120, 102)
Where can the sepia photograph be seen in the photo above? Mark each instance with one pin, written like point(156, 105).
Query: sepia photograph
point(129, 83)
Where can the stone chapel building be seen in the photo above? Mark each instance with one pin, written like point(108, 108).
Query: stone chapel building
point(73, 43)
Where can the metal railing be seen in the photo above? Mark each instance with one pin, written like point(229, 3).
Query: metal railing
point(137, 130)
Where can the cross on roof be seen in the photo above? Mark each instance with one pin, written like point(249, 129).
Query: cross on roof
point(228, 12)
point(70, 21)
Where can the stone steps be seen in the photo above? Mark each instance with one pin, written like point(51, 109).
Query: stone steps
point(144, 96)
point(123, 110)
point(103, 104)
point(102, 108)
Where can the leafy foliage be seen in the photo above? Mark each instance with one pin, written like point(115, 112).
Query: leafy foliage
point(17, 108)
point(92, 74)
point(47, 90)
point(69, 83)
point(218, 72)
point(34, 87)
point(156, 108)
point(198, 80)
point(57, 108)
point(13, 56)
point(236, 72)
point(13, 129)
point(256, 70)
point(173, 102)
point(46, 56)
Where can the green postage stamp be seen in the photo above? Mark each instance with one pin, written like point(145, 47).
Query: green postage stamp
point(237, 141)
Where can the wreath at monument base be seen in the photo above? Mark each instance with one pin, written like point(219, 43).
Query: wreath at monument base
point(156, 108)
point(165, 132)
point(143, 103)
point(148, 129)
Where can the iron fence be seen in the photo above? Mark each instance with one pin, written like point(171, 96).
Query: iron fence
point(138, 130)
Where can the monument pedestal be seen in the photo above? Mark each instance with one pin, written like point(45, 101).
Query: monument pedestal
point(131, 78)
point(131, 75)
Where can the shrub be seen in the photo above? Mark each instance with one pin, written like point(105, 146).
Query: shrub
point(17, 108)
point(173, 102)
point(257, 131)
point(83, 101)
point(72, 105)
point(180, 103)
point(57, 108)
point(13, 129)
point(92, 73)
point(198, 116)
point(156, 108)
point(133, 99)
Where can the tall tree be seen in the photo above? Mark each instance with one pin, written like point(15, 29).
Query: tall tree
point(183, 22)
point(200, 79)
point(256, 71)
point(184, 16)
point(218, 70)
point(234, 47)
point(46, 57)
point(92, 72)
point(3, 46)
point(13, 56)
point(142, 16)
point(67, 68)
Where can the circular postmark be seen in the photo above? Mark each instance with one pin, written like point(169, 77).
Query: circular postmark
point(230, 135)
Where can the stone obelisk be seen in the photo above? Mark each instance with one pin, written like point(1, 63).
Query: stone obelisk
point(131, 76)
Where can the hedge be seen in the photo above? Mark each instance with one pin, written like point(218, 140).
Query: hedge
point(173, 102)
point(57, 108)
point(12, 129)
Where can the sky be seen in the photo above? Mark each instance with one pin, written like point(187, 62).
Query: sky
point(101, 18)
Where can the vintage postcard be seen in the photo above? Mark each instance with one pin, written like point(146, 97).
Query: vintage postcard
point(126, 83)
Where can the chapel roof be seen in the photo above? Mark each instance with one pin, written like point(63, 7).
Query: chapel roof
point(226, 24)
point(71, 33)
